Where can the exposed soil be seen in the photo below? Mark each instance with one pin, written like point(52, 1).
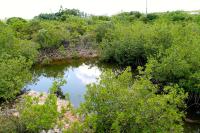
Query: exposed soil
point(69, 53)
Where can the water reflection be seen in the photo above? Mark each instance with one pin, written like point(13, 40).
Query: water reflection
point(87, 74)
point(77, 78)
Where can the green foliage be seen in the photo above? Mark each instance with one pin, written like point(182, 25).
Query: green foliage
point(124, 45)
point(178, 16)
point(57, 84)
point(47, 38)
point(31, 29)
point(27, 49)
point(47, 16)
point(121, 104)
point(169, 42)
point(102, 18)
point(6, 37)
point(46, 61)
point(75, 55)
point(38, 116)
point(17, 24)
point(152, 16)
point(62, 50)
point(14, 76)
point(180, 63)
point(11, 124)
point(76, 127)
point(102, 30)
point(62, 15)
point(133, 44)
point(128, 16)
point(51, 35)
point(16, 58)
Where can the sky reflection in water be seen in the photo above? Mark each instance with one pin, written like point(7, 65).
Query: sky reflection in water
point(77, 79)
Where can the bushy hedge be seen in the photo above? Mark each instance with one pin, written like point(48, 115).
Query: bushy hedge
point(121, 104)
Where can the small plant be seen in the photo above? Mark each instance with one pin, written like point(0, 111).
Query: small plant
point(75, 55)
point(76, 127)
point(46, 61)
point(62, 50)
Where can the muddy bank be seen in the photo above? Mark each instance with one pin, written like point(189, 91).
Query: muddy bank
point(48, 55)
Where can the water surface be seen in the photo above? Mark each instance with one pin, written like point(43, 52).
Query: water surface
point(78, 75)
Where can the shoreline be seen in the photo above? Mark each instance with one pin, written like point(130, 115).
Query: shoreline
point(12, 111)
point(52, 55)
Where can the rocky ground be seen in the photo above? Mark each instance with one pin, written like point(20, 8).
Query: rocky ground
point(61, 103)
point(11, 110)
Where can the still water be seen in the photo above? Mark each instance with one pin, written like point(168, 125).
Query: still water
point(78, 74)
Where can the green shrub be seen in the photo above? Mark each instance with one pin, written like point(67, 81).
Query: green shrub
point(62, 50)
point(6, 37)
point(27, 49)
point(181, 62)
point(46, 39)
point(17, 23)
point(51, 35)
point(121, 104)
point(37, 116)
point(75, 55)
point(46, 61)
point(14, 76)
point(11, 124)
point(126, 44)
point(16, 58)
point(149, 17)
point(101, 31)
point(178, 16)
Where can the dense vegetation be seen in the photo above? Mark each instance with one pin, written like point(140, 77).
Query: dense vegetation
point(126, 105)
point(16, 58)
point(151, 99)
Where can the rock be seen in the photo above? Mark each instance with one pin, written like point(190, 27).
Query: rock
point(16, 114)
point(42, 97)
point(66, 126)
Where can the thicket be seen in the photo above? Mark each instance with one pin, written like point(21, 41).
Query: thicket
point(169, 42)
point(124, 104)
point(38, 115)
point(16, 58)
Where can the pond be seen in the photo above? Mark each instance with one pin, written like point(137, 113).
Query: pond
point(78, 73)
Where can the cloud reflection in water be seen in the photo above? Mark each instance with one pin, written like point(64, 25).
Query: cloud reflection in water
point(77, 78)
